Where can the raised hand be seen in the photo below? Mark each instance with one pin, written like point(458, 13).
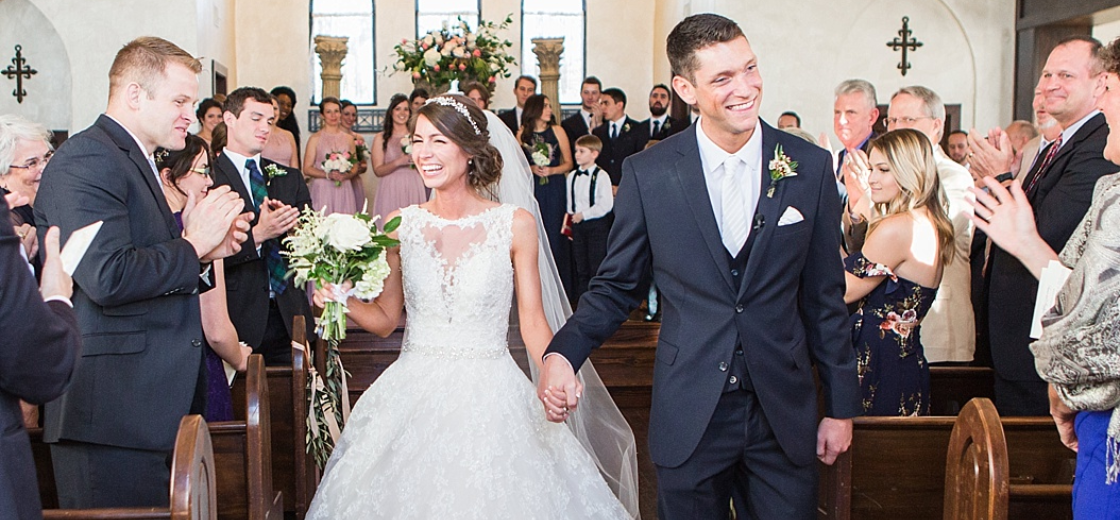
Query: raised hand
point(29, 239)
point(991, 156)
point(856, 169)
point(276, 218)
point(559, 389)
point(211, 224)
point(54, 282)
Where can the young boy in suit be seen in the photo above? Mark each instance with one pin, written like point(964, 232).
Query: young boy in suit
point(590, 201)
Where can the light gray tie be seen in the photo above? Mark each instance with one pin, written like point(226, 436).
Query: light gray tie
point(733, 206)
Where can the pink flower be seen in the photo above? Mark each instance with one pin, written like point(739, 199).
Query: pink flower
point(493, 79)
point(404, 41)
point(415, 75)
point(462, 66)
point(476, 53)
point(436, 67)
point(424, 45)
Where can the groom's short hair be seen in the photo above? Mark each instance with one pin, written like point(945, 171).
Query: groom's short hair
point(235, 101)
point(694, 33)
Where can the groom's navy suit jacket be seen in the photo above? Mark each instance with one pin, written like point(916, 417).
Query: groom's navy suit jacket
point(788, 314)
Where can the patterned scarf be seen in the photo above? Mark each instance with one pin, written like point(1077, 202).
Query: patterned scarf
point(1079, 351)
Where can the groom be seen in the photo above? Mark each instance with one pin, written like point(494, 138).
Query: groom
point(753, 288)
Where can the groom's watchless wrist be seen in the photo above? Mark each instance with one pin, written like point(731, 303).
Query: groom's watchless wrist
point(546, 356)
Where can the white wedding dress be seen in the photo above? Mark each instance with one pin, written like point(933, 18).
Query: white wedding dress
point(453, 429)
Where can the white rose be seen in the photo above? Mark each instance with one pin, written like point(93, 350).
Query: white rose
point(458, 52)
point(446, 51)
point(428, 39)
point(346, 233)
point(431, 57)
point(494, 67)
point(399, 65)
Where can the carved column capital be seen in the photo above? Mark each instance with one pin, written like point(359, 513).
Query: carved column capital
point(549, 51)
point(332, 51)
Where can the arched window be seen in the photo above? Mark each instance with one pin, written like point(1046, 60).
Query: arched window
point(551, 19)
point(432, 14)
point(352, 19)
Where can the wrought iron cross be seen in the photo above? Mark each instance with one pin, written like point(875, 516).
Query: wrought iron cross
point(904, 42)
point(19, 69)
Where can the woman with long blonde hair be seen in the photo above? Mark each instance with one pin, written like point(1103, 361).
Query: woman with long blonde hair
point(895, 276)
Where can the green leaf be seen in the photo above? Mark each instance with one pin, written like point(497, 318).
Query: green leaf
point(392, 224)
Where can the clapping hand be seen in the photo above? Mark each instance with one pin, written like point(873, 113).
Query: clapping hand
point(1005, 215)
point(276, 218)
point(991, 155)
point(559, 388)
point(215, 225)
point(856, 170)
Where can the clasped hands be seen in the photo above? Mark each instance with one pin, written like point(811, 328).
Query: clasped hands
point(990, 155)
point(215, 225)
point(559, 388)
point(276, 218)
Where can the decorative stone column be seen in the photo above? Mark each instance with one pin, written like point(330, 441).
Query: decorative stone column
point(331, 51)
point(548, 51)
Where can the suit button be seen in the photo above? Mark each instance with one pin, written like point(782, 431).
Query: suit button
point(196, 342)
point(734, 272)
point(738, 352)
point(739, 309)
point(733, 380)
point(722, 366)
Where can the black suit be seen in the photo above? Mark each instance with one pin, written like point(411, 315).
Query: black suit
point(784, 316)
point(669, 127)
point(1059, 201)
point(575, 127)
point(509, 117)
point(247, 284)
point(628, 142)
point(136, 298)
point(40, 348)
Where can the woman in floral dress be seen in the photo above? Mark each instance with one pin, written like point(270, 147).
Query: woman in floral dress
point(895, 276)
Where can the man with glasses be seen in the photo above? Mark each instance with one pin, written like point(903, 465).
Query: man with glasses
point(262, 298)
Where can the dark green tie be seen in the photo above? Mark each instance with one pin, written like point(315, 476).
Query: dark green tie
point(270, 250)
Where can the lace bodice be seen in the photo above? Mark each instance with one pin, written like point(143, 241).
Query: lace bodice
point(458, 282)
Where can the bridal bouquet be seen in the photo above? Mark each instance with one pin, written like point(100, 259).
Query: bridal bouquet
point(338, 161)
point(456, 53)
point(541, 156)
point(333, 249)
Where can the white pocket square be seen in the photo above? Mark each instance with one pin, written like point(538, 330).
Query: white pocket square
point(791, 216)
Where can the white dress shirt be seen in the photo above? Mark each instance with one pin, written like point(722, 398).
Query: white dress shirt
point(614, 128)
point(661, 123)
point(238, 161)
point(712, 158)
point(604, 198)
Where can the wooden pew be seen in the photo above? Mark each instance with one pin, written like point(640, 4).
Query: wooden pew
point(293, 470)
point(243, 453)
point(896, 469)
point(976, 467)
point(193, 482)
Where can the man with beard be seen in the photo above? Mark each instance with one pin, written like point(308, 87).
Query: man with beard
point(660, 125)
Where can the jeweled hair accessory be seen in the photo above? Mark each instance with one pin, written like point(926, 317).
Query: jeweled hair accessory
point(459, 107)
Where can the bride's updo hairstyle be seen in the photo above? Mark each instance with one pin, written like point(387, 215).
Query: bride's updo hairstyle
point(461, 121)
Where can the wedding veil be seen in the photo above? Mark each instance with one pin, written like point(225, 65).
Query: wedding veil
point(597, 422)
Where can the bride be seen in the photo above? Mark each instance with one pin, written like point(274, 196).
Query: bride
point(453, 429)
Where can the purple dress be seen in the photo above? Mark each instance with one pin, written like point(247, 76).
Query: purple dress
point(403, 187)
point(324, 192)
point(219, 401)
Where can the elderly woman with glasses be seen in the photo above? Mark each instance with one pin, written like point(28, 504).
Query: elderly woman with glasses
point(25, 148)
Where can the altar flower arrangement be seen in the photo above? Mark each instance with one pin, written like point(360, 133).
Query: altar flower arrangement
point(338, 161)
point(454, 52)
point(334, 249)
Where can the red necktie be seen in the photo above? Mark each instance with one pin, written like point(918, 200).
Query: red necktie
point(1045, 163)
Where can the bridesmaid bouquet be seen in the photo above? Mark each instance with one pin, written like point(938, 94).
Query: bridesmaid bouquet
point(338, 161)
point(542, 156)
point(332, 249)
point(361, 151)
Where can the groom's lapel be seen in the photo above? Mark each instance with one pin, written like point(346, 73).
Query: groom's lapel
point(768, 208)
point(690, 173)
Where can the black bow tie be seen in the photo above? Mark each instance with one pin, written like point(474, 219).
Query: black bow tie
point(582, 172)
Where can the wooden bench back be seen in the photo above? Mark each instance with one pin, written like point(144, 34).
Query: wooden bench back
point(242, 452)
point(193, 493)
point(976, 466)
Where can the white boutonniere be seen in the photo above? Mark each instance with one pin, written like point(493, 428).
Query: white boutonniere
point(274, 171)
point(781, 166)
point(626, 127)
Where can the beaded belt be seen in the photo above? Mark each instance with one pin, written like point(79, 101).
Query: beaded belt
point(456, 352)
